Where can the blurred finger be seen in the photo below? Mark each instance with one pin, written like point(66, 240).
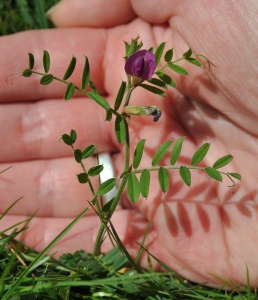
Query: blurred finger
point(91, 13)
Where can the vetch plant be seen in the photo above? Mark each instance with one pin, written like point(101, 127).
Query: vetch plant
point(143, 71)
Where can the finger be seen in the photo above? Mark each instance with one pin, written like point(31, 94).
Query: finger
point(48, 186)
point(34, 129)
point(42, 231)
point(91, 13)
point(61, 44)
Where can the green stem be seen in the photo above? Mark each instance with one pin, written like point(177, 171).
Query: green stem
point(128, 95)
point(121, 188)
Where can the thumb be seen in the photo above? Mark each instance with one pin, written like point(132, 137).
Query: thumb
point(91, 13)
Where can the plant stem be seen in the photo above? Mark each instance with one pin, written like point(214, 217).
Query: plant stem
point(115, 202)
point(128, 95)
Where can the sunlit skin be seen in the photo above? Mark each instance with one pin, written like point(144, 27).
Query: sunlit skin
point(196, 231)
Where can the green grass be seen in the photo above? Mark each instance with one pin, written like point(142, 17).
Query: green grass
point(19, 15)
point(26, 274)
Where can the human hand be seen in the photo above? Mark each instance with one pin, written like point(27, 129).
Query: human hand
point(197, 231)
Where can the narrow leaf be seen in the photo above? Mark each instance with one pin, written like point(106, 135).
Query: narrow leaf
point(99, 100)
point(120, 262)
point(163, 179)
point(213, 173)
point(108, 115)
point(138, 153)
point(223, 161)
point(111, 256)
point(194, 61)
point(120, 129)
point(200, 154)
point(176, 150)
point(133, 188)
point(46, 79)
point(69, 92)
point(185, 175)
point(153, 89)
point(96, 170)
point(145, 183)
point(235, 175)
point(67, 139)
point(86, 74)
point(159, 51)
point(188, 53)
point(120, 95)
point(73, 135)
point(77, 155)
point(46, 61)
point(26, 73)
point(82, 177)
point(157, 82)
point(167, 79)
point(106, 186)
point(88, 151)
point(160, 152)
point(178, 69)
point(70, 68)
point(31, 61)
point(92, 86)
point(169, 55)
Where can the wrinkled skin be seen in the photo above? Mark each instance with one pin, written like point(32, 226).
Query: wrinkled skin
point(196, 231)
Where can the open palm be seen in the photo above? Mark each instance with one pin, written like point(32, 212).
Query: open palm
point(196, 231)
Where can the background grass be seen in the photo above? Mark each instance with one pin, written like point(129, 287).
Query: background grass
point(19, 15)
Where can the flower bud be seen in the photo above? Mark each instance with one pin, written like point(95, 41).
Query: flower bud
point(141, 64)
point(137, 110)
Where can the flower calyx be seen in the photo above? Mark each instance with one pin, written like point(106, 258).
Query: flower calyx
point(137, 110)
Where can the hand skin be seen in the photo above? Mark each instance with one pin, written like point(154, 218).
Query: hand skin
point(197, 231)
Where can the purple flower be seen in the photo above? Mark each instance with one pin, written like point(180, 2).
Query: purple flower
point(141, 64)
